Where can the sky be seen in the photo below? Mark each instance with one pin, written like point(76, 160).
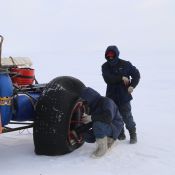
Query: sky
point(52, 26)
point(75, 31)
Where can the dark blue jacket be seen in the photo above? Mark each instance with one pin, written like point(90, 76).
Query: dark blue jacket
point(103, 109)
point(113, 71)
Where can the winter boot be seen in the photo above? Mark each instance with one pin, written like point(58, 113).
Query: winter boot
point(122, 135)
point(102, 147)
point(133, 135)
point(110, 142)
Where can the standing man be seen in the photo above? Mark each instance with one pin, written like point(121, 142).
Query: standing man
point(121, 78)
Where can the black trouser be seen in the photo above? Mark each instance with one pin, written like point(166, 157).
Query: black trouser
point(125, 111)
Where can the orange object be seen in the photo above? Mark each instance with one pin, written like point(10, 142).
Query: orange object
point(24, 76)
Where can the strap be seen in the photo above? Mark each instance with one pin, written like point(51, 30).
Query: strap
point(5, 101)
point(23, 76)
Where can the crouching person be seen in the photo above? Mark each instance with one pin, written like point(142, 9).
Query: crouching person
point(106, 122)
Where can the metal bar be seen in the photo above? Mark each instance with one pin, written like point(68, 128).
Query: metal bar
point(20, 123)
point(29, 88)
point(1, 41)
point(7, 129)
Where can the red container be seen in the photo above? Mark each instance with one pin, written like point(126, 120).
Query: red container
point(22, 76)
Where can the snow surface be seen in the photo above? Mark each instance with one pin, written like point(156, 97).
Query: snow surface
point(69, 38)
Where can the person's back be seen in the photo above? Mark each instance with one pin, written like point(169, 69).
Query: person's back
point(106, 111)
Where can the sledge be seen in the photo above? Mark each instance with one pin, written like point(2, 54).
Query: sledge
point(54, 109)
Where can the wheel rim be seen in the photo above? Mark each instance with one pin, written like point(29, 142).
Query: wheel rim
point(75, 121)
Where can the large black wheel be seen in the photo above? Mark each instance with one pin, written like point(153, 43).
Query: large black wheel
point(58, 114)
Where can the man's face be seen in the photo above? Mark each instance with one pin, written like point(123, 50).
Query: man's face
point(110, 55)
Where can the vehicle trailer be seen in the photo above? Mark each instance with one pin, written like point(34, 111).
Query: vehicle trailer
point(54, 109)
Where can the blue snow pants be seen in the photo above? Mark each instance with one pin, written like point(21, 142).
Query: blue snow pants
point(98, 130)
point(125, 111)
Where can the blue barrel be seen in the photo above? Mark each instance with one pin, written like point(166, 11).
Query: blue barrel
point(25, 106)
point(6, 92)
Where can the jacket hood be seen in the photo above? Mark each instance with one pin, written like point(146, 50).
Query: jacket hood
point(114, 49)
point(91, 96)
